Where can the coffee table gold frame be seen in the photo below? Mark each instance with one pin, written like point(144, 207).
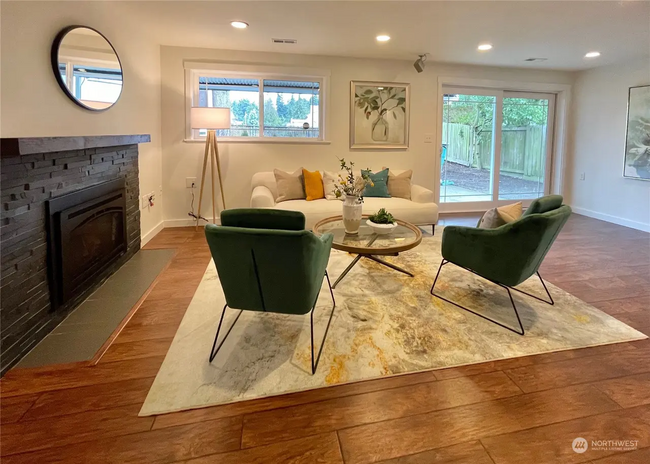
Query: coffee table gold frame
point(367, 251)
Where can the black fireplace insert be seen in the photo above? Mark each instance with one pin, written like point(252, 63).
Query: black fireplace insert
point(86, 233)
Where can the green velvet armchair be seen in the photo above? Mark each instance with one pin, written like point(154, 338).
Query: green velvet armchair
point(507, 255)
point(267, 262)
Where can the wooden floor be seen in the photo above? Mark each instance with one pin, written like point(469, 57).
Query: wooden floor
point(524, 410)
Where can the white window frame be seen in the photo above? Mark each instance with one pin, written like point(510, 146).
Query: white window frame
point(195, 70)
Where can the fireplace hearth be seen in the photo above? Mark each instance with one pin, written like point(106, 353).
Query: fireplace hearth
point(86, 233)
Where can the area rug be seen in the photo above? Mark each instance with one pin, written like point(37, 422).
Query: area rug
point(385, 323)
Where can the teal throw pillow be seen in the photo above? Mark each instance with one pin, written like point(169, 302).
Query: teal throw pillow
point(380, 181)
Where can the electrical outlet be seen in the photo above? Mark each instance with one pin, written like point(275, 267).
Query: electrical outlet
point(428, 138)
point(190, 182)
point(582, 176)
point(144, 204)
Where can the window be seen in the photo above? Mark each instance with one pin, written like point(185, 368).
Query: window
point(270, 107)
point(92, 83)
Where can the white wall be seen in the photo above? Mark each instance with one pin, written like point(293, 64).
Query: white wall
point(33, 105)
point(599, 116)
point(241, 160)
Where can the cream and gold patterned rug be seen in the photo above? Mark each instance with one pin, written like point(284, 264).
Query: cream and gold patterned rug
point(385, 323)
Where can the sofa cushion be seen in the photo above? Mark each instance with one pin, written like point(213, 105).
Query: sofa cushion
point(406, 210)
point(329, 184)
point(379, 187)
point(290, 186)
point(313, 185)
point(399, 185)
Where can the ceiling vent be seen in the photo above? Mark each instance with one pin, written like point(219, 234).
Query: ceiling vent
point(536, 59)
point(284, 41)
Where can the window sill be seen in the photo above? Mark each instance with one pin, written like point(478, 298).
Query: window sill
point(262, 140)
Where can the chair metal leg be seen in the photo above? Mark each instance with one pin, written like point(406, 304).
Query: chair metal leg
point(442, 263)
point(521, 330)
point(551, 302)
point(214, 352)
point(314, 365)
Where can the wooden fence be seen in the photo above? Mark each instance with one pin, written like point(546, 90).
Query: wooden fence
point(523, 149)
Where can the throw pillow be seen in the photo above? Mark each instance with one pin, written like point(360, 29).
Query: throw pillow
point(490, 220)
point(329, 184)
point(380, 181)
point(290, 186)
point(399, 185)
point(510, 213)
point(497, 217)
point(313, 185)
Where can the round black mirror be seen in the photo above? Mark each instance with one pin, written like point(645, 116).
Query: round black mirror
point(87, 67)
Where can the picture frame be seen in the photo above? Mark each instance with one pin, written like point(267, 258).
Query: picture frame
point(379, 115)
point(637, 134)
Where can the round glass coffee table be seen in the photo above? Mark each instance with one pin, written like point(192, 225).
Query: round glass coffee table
point(367, 244)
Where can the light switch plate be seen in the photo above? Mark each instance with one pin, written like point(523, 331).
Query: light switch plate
point(428, 138)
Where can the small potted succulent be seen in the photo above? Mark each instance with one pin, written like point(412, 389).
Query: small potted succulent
point(382, 222)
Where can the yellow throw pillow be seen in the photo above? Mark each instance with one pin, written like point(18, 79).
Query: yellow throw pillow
point(510, 213)
point(313, 185)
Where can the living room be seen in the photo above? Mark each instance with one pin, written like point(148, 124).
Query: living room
point(462, 188)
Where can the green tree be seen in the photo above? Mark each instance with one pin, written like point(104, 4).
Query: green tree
point(245, 112)
point(271, 117)
point(282, 109)
point(299, 108)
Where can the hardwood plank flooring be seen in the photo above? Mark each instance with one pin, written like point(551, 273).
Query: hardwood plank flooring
point(628, 392)
point(553, 442)
point(393, 438)
point(287, 423)
point(471, 452)
point(527, 409)
point(322, 449)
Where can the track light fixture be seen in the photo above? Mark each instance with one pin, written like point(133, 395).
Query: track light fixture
point(419, 63)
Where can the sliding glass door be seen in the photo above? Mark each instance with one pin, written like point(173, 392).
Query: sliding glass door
point(496, 147)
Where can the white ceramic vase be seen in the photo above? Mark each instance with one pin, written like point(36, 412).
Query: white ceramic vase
point(352, 210)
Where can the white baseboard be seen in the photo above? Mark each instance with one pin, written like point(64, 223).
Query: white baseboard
point(152, 233)
point(184, 222)
point(613, 219)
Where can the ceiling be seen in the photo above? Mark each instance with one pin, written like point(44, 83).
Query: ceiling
point(561, 31)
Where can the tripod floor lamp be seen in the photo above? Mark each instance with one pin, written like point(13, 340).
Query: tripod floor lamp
point(210, 119)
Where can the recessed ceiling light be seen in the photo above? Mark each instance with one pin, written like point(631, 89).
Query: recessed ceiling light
point(592, 54)
point(485, 47)
point(239, 24)
point(383, 38)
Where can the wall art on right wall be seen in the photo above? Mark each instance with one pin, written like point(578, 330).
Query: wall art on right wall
point(637, 138)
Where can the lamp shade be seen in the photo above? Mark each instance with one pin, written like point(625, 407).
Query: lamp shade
point(210, 118)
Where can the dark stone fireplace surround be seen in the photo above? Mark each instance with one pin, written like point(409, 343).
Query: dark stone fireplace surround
point(33, 171)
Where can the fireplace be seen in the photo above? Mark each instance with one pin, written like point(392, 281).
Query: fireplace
point(86, 233)
point(70, 218)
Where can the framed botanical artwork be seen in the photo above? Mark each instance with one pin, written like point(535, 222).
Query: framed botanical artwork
point(379, 115)
point(637, 136)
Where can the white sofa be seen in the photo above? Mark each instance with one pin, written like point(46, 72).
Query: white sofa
point(419, 210)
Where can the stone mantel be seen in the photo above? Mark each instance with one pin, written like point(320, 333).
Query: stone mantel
point(34, 145)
